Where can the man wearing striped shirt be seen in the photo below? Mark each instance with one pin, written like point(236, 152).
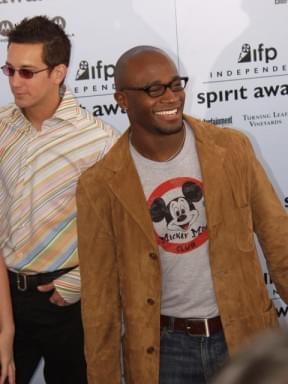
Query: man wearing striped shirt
point(46, 141)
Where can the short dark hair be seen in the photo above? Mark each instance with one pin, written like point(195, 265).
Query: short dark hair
point(40, 29)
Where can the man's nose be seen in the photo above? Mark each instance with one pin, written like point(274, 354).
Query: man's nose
point(16, 79)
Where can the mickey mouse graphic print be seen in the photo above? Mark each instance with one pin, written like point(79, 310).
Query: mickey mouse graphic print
point(177, 211)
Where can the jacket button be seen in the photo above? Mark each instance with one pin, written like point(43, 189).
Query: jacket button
point(150, 301)
point(150, 350)
point(153, 255)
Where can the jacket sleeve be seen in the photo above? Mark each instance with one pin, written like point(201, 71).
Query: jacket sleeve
point(100, 298)
point(270, 224)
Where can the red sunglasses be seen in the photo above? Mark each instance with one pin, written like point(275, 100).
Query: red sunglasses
point(23, 72)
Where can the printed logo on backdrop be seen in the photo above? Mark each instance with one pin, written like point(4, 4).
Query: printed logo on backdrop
point(99, 71)
point(253, 61)
point(83, 71)
point(16, 1)
point(5, 27)
point(281, 2)
point(60, 21)
point(96, 78)
point(266, 119)
point(281, 308)
point(248, 54)
point(222, 121)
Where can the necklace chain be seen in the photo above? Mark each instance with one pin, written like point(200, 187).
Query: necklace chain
point(179, 149)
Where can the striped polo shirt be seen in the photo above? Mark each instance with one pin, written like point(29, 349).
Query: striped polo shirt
point(39, 171)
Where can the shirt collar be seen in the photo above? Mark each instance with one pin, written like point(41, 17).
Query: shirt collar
point(68, 108)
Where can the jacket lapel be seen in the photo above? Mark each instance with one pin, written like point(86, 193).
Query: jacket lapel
point(211, 158)
point(126, 186)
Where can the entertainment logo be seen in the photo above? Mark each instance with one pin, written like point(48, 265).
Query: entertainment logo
point(222, 121)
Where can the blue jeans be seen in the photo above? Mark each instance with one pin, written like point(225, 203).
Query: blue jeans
point(186, 359)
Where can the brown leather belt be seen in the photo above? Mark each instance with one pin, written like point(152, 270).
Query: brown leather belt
point(25, 282)
point(195, 327)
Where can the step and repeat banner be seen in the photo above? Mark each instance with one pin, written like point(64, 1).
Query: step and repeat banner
point(234, 52)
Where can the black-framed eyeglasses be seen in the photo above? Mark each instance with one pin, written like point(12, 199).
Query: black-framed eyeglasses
point(155, 90)
point(23, 72)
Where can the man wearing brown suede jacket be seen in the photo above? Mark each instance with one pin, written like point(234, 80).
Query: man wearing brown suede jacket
point(166, 225)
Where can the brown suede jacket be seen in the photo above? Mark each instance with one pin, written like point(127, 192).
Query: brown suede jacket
point(119, 258)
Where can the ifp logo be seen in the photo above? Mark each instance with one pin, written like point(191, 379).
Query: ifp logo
point(83, 71)
point(99, 71)
point(249, 54)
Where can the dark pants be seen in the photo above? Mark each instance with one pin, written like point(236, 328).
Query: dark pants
point(49, 331)
point(186, 359)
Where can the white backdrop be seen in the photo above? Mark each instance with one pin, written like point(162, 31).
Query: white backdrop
point(234, 51)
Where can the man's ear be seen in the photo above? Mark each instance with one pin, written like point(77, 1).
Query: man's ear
point(121, 99)
point(59, 73)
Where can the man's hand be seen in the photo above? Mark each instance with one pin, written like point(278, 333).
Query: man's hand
point(7, 367)
point(55, 298)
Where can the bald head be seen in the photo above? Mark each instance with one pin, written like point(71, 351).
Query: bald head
point(123, 72)
point(151, 91)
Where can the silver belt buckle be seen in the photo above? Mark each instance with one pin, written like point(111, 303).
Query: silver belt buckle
point(206, 325)
point(21, 282)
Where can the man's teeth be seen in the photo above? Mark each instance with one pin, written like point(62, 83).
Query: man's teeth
point(171, 112)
